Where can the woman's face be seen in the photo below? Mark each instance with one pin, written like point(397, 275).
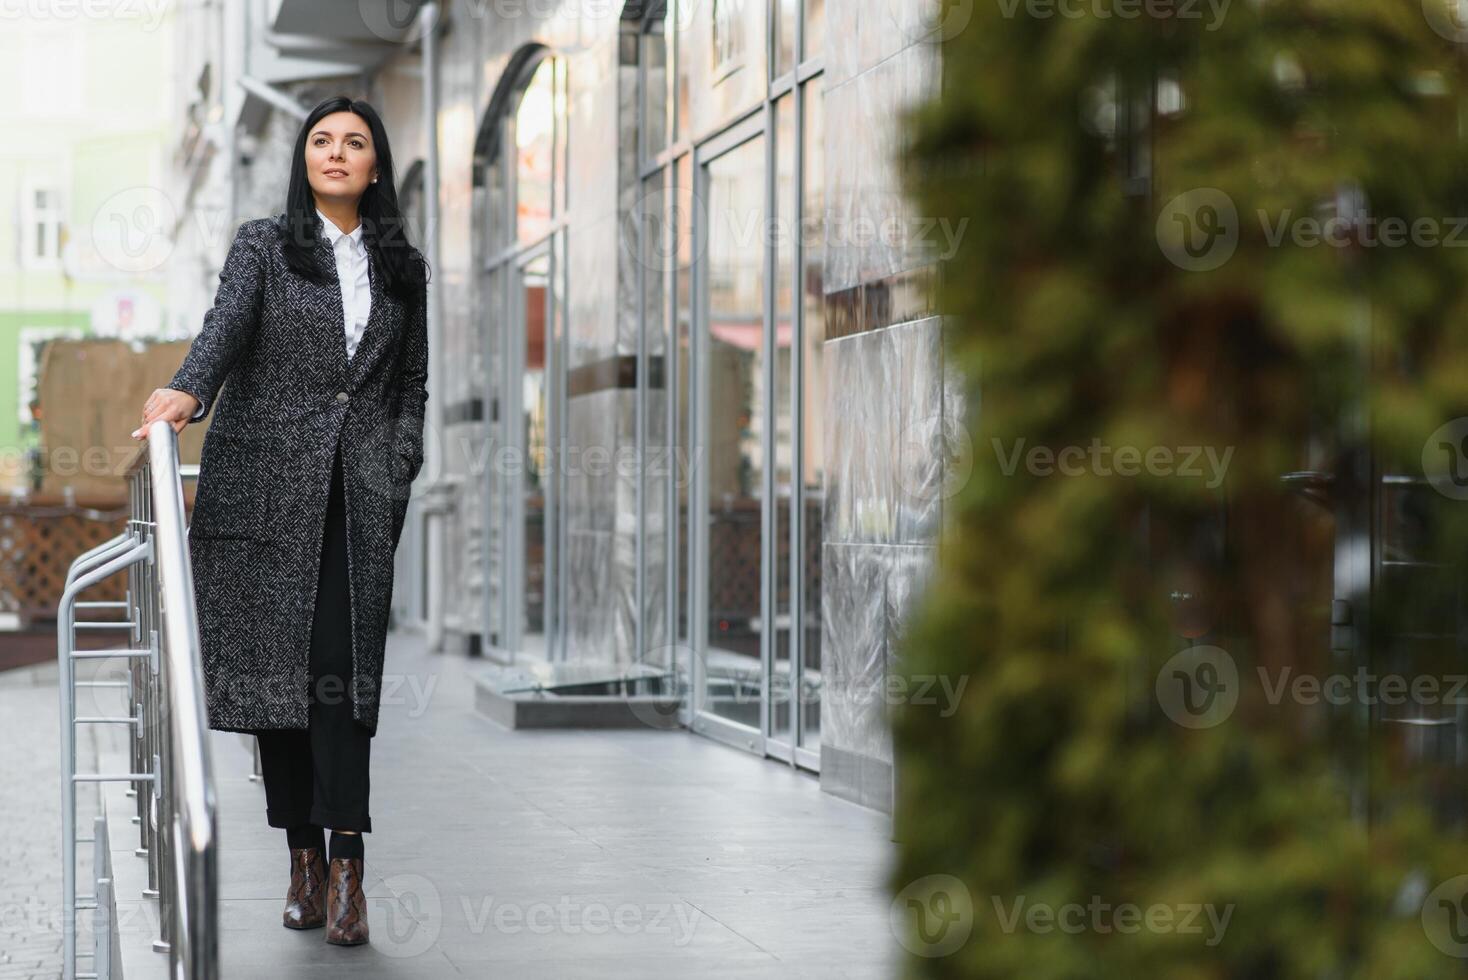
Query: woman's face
point(340, 158)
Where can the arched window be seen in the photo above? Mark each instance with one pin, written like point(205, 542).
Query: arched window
point(538, 122)
point(523, 219)
point(523, 154)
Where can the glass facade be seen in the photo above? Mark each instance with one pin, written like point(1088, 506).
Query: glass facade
point(657, 285)
point(523, 225)
point(732, 351)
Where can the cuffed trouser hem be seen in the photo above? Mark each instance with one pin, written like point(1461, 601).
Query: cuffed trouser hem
point(336, 820)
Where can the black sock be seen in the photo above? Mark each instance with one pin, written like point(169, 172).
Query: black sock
point(345, 845)
point(306, 835)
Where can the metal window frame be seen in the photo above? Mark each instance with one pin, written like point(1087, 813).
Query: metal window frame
point(804, 756)
point(758, 121)
point(501, 506)
point(705, 721)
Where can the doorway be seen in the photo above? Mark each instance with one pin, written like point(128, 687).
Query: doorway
point(524, 246)
point(530, 497)
point(747, 545)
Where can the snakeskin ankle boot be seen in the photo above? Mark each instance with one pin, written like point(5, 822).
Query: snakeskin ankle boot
point(346, 904)
point(305, 901)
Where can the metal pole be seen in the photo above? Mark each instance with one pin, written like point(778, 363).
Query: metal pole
point(433, 546)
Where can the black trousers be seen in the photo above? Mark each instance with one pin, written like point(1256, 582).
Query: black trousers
point(319, 775)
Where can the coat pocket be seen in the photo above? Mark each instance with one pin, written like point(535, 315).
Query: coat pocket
point(235, 486)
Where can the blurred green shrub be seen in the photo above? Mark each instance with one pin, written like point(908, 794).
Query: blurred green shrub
point(1238, 231)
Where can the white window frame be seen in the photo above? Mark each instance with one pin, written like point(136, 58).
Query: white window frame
point(32, 217)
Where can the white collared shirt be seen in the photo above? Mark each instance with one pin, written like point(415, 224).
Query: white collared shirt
point(351, 273)
point(355, 282)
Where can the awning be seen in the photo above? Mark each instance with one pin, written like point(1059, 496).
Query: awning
point(746, 336)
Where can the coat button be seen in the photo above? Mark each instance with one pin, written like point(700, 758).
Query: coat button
point(341, 396)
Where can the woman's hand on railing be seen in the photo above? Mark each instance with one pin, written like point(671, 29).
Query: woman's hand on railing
point(173, 406)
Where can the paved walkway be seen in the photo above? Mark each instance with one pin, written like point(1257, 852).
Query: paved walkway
point(637, 854)
point(30, 821)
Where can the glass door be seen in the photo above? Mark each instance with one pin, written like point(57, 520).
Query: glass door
point(530, 500)
point(731, 635)
point(755, 393)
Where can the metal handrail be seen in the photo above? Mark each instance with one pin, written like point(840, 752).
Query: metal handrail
point(170, 768)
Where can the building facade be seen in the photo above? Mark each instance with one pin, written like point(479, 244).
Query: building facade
point(689, 390)
point(86, 141)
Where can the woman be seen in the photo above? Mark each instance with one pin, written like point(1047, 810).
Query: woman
point(320, 327)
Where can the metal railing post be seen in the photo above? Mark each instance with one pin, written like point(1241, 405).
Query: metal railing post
point(168, 755)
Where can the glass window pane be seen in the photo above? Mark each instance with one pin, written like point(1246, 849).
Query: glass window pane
point(657, 260)
point(655, 102)
point(535, 147)
point(785, 13)
point(680, 14)
point(682, 441)
point(732, 75)
point(785, 238)
point(559, 104)
point(534, 282)
point(815, 28)
point(734, 459)
point(812, 421)
point(498, 225)
point(496, 486)
point(655, 472)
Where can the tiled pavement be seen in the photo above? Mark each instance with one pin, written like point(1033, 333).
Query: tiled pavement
point(30, 823)
point(637, 854)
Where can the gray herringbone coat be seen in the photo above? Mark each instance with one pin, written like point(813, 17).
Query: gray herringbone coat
point(265, 473)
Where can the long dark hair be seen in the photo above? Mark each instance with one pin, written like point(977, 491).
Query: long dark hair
point(384, 230)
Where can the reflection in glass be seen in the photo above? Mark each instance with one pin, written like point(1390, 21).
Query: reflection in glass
point(514, 568)
point(681, 19)
point(498, 225)
point(495, 491)
point(653, 474)
point(682, 224)
point(784, 241)
point(734, 464)
point(656, 103)
point(813, 405)
point(563, 142)
point(534, 280)
point(535, 146)
point(786, 12)
point(555, 392)
point(815, 28)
